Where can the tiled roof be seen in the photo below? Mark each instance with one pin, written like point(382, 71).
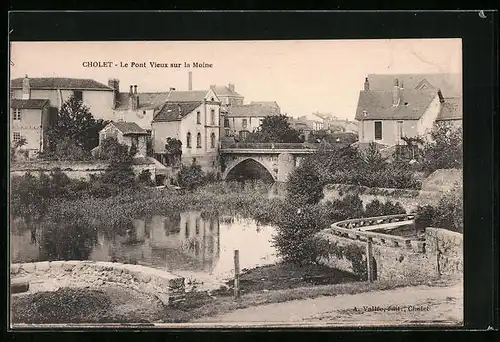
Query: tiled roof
point(187, 96)
point(451, 109)
point(174, 111)
point(225, 91)
point(450, 84)
point(60, 83)
point(265, 103)
point(27, 104)
point(146, 100)
point(251, 110)
point(128, 127)
point(378, 105)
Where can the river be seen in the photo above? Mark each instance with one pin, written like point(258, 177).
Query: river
point(201, 249)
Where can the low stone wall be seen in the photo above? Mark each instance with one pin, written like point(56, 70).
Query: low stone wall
point(74, 170)
point(409, 199)
point(443, 255)
point(168, 288)
point(448, 248)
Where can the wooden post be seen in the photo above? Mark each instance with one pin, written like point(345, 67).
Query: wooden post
point(369, 262)
point(236, 274)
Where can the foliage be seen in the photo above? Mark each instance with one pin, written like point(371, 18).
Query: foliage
point(15, 146)
point(114, 152)
point(145, 178)
point(443, 148)
point(275, 129)
point(304, 186)
point(66, 149)
point(30, 196)
point(191, 177)
point(173, 147)
point(376, 208)
point(448, 214)
point(149, 146)
point(295, 240)
point(75, 122)
point(348, 207)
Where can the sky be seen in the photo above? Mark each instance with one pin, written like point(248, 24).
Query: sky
point(302, 76)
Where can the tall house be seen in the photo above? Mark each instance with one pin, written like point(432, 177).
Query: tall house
point(135, 106)
point(391, 107)
point(193, 117)
point(97, 96)
point(241, 120)
point(29, 120)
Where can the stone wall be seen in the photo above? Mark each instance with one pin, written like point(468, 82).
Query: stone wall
point(168, 288)
point(443, 255)
point(448, 248)
point(409, 199)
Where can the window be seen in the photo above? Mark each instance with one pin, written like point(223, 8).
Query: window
point(244, 123)
point(188, 140)
point(226, 122)
point(212, 99)
point(400, 130)
point(378, 130)
point(17, 114)
point(212, 140)
point(16, 136)
point(78, 94)
point(243, 134)
point(212, 116)
point(198, 117)
point(197, 227)
point(198, 140)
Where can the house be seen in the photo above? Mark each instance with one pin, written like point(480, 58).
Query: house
point(97, 96)
point(243, 119)
point(408, 108)
point(30, 119)
point(272, 104)
point(134, 106)
point(227, 95)
point(193, 117)
point(127, 133)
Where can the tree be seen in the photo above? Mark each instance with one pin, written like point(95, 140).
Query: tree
point(173, 148)
point(304, 186)
point(443, 148)
point(115, 153)
point(191, 177)
point(15, 145)
point(75, 122)
point(66, 149)
point(275, 129)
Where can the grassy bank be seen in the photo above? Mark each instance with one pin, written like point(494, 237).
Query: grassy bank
point(251, 201)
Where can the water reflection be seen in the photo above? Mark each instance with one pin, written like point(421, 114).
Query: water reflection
point(187, 243)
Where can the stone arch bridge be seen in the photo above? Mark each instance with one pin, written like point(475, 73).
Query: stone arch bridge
point(277, 159)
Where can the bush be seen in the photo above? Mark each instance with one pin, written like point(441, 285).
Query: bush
point(448, 214)
point(191, 177)
point(304, 186)
point(145, 178)
point(295, 240)
point(349, 207)
point(377, 208)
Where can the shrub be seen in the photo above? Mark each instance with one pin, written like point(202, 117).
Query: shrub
point(377, 208)
point(191, 177)
point(346, 208)
point(295, 240)
point(145, 178)
point(304, 186)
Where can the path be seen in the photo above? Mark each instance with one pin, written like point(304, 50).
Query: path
point(403, 306)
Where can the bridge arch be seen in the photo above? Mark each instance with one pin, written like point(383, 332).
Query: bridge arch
point(238, 161)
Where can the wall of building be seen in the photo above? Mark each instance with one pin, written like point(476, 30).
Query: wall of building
point(236, 124)
point(161, 131)
point(427, 120)
point(142, 117)
point(389, 131)
point(30, 127)
point(167, 287)
point(100, 102)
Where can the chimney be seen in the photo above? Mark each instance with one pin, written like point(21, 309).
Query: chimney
point(133, 98)
point(135, 89)
point(190, 81)
point(131, 90)
point(231, 87)
point(26, 88)
point(440, 94)
point(115, 84)
point(172, 89)
point(212, 86)
point(395, 93)
point(367, 84)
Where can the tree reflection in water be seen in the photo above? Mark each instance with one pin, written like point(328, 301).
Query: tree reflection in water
point(62, 241)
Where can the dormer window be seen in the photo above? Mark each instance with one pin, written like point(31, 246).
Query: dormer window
point(365, 113)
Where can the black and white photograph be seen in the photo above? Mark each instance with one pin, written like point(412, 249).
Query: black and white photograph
point(235, 184)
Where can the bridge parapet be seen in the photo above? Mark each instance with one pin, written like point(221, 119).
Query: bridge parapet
point(282, 146)
point(351, 229)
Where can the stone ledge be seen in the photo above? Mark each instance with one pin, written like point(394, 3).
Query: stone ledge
point(161, 284)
